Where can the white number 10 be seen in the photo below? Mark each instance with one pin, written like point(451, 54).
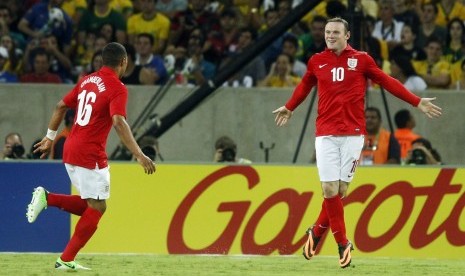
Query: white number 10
point(338, 74)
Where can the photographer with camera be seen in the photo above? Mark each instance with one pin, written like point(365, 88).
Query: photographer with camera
point(226, 151)
point(423, 153)
point(13, 148)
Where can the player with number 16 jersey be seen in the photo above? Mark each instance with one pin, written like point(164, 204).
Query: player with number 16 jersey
point(96, 99)
point(100, 103)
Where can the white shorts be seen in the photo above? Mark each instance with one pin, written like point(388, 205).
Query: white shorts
point(337, 157)
point(90, 183)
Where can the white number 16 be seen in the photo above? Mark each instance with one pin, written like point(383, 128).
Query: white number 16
point(85, 107)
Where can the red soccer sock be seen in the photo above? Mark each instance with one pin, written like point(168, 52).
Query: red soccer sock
point(73, 204)
point(85, 228)
point(322, 223)
point(335, 211)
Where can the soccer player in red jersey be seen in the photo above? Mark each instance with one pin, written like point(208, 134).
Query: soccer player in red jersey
point(100, 103)
point(341, 74)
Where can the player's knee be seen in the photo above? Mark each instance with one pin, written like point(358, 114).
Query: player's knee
point(330, 189)
point(343, 186)
point(99, 205)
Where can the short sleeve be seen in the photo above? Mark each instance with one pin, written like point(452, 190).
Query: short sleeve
point(70, 99)
point(119, 101)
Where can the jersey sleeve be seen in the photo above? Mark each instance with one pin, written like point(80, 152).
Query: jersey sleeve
point(391, 84)
point(303, 88)
point(71, 98)
point(118, 102)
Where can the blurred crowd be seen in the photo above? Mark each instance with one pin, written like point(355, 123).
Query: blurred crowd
point(419, 42)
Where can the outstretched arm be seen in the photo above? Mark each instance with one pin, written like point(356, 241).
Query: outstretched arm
point(284, 113)
point(431, 110)
point(45, 145)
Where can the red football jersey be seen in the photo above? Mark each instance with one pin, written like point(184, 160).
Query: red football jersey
point(342, 84)
point(96, 98)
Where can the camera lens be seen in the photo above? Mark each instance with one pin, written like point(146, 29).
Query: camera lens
point(18, 150)
point(418, 157)
point(228, 155)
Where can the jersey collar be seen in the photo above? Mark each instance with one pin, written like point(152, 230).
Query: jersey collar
point(348, 48)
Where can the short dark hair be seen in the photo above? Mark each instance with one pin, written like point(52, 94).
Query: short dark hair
point(405, 65)
point(427, 144)
point(319, 18)
point(434, 39)
point(374, 109)
point(131, 51)
point(147, 35)
point(113, 53)
point(40, 51)
point(429, 3)
point(291, 39)
point(224, 142)
point(252, 31)
point(401, 118)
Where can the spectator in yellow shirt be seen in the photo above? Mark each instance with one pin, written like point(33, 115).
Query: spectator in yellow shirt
point(280, 74)
point(457, 76)
point(152, 22)
point(74, 9)
point(433, 70)
point(448, 9)
point(124, 7)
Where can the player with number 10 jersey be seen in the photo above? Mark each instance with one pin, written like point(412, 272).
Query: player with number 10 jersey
point(342, 83)
point(96, 98)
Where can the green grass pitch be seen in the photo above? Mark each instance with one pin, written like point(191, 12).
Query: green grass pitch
point(137, 264)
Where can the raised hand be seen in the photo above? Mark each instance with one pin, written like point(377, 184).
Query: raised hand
point(431, 110)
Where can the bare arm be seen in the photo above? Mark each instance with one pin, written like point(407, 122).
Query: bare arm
point(442, 80)
point(148, 76)
point(125, 134)
point(23, 26)
point(61, 57)
point(45, 145)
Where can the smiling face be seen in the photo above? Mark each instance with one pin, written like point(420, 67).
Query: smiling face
point(336, 36)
